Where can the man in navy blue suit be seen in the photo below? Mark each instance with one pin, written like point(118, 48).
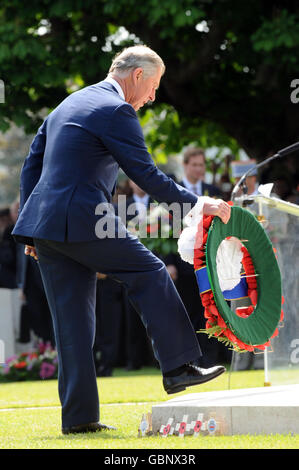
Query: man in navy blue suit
point(69, 174)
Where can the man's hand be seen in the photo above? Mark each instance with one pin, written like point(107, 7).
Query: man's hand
point(22, 296)
point(172, 271)
point(101, 276)
point(30, 250)
point(217, 207)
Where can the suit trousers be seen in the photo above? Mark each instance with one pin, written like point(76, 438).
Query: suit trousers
point(68, 271)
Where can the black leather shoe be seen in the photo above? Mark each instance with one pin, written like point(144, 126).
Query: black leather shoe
point(193, 375)
point(89, 427)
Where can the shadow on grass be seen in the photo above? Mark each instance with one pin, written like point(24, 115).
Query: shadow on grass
point(119, 372)
point(86, 436)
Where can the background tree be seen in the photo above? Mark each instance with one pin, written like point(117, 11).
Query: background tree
point(230, 65)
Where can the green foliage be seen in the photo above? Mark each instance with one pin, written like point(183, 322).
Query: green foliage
point(281, 33)
point(166, 133)
point(161, 246)
point(228, 65)
point(169, 14)
point(43, 48)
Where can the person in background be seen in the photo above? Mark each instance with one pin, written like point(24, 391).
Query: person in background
point(8, 250)
point(225, 183)
point(182, 273)
point(139, 351)
point(109, 331)
point(35, 315)
point(122, 329)
point(5, 219)
point(109, 342)
point(194, 164)
point(239, 168)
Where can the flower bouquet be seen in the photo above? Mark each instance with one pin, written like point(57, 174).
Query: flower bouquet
point(42, 363)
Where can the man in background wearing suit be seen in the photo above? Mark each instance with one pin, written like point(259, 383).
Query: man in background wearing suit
point(35, 314)
point(67, 179)
point(194, 165)
point(119, 327)
point(8, 251)
point(137, 342)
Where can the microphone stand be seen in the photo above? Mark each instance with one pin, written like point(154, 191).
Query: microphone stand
point(242, 184)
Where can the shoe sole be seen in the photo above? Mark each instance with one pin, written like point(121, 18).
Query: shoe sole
point(176, 390)
point(184, 386)
point(85, 431)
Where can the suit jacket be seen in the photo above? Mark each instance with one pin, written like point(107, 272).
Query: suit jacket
point(8, 260)
point(130, 200)
point(208, 189)
point(73, 165)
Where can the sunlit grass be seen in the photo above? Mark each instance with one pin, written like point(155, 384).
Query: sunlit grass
point(30, 415)
point(124, 387)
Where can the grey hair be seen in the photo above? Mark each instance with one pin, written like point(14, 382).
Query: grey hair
point(136, 56)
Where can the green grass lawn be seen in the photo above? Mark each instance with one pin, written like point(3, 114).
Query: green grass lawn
point(30, 415)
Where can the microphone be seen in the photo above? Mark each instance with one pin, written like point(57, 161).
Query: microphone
point(281, 153)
